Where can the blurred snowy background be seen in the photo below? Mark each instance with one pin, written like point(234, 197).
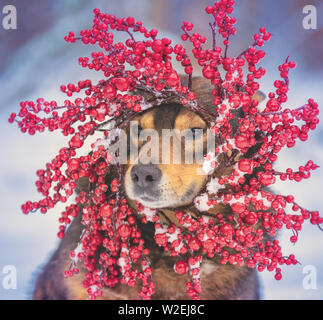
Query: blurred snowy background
point(35, 60)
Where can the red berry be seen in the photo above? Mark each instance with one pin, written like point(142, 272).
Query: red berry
point(181, 267)
point(109, 92)
point(124, 231)
point(106, 211)
point(173, 79)
point(194, 244)
point(73, 164)
point(122, 84)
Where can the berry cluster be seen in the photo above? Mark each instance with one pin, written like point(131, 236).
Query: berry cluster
point(139, 74)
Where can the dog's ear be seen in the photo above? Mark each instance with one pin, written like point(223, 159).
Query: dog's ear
point(82, 185)
point(259, 96)
point(203, 90)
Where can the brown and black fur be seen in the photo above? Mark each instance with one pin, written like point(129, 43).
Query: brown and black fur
point(218, 281)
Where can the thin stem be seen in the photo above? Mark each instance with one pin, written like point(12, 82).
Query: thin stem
point(226, 47)
point(286, 78)
point(282, 112)
point(213, 28)
point(189, 85)
point(131, 36)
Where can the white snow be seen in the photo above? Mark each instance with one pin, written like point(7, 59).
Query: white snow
point(77, 250)
point(201, 202)
point(207, 166)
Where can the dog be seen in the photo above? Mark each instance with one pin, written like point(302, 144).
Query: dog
point(167, 187)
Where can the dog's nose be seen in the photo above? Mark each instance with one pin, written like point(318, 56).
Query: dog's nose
point(145, 175)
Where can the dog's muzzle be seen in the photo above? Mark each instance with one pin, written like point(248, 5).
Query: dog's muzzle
point(145, 179)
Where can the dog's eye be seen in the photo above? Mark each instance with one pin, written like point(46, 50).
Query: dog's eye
point(197, 132)
point(136, 129)
point(139, 129)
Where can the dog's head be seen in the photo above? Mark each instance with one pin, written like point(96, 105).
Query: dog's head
point(165, 172)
